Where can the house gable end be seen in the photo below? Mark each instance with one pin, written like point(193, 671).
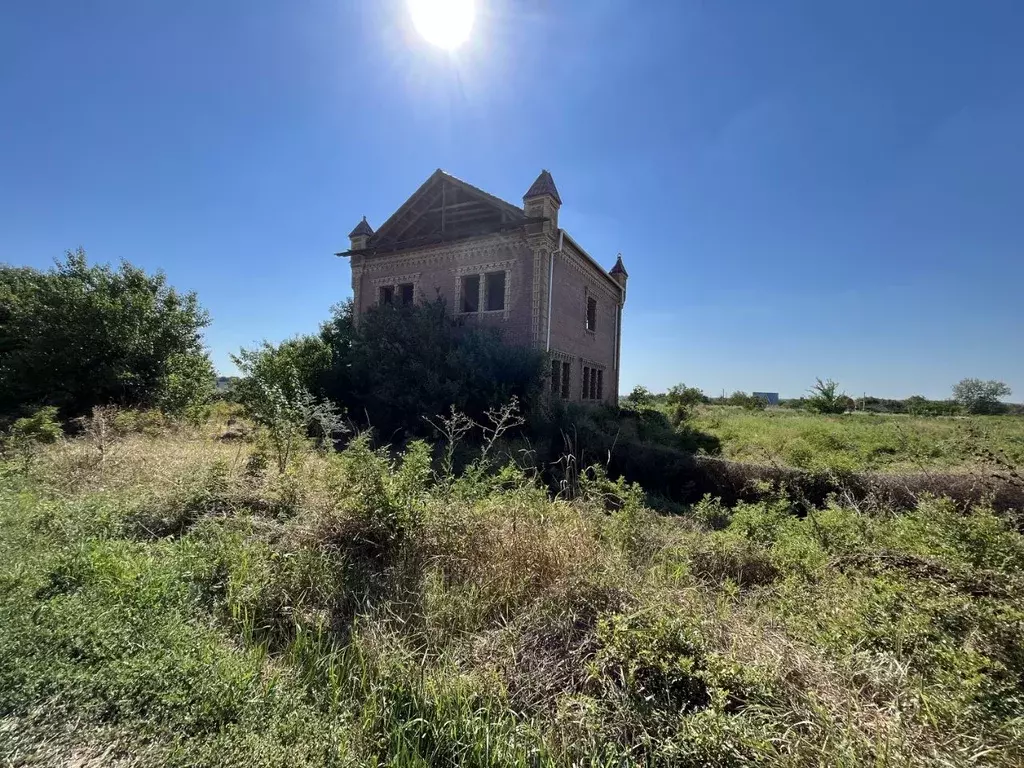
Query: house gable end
point(445, 208)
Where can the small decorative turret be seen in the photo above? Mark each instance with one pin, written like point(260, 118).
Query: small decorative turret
point(620, 275)
point(542, 199)
point(360, 235)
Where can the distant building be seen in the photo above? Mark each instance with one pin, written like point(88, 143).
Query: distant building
point(772, 398)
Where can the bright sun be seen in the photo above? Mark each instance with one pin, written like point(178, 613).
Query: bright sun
point(444, 23)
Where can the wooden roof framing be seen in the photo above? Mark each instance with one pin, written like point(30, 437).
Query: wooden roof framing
point(445, 208)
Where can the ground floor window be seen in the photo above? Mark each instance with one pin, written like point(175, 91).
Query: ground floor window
point(593, 383)
point(556, 377)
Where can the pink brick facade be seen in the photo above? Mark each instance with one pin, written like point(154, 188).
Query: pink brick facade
point(542, 267)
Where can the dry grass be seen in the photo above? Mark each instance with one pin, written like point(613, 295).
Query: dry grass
point(354, 611)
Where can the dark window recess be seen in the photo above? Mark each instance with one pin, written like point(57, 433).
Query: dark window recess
point(470, 293)
point(405, 293)
point(556, 377)
point(586, 382)
point(600, 385)
point(566, 372)
point(387, 294)
point(591, 314)
point(593, 384)
point(494, 291)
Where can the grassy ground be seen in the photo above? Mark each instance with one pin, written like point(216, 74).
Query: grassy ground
point(170, 601)
point(863, 441)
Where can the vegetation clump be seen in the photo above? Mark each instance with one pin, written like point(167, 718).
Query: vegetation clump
point(80, 336)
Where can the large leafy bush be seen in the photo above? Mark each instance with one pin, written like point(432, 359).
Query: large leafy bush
point(78, 336)
point(399, 366)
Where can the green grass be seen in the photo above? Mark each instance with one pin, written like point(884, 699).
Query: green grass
point(168, 605)
point(863, 441)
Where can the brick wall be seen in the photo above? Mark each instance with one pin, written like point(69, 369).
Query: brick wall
point(436, 270)
point(574, 281)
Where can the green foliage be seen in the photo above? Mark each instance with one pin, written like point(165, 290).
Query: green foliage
point(79, 336)
point(641, 397)
point(159, 605)
point(863, 441)
point(980, 397)
point(41, 428)
point(402, 364)
point(682, 402)
point(274, 398)
point(291, 366)
point(825, 397)
point(747, 402)
point(187, 388)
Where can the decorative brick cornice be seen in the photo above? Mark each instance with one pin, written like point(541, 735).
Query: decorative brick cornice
point(491, 247)
point(490, 266)
point(557, 354)
point(397, 279)
point(587, 270)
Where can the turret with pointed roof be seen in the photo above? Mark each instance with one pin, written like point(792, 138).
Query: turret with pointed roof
point(619, 274)
point(544, 185)
point(360, 235)
point(542, 199)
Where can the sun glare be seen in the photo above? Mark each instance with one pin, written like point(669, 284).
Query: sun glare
point(444, 23)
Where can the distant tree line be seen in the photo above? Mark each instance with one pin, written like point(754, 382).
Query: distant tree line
point(969, 396)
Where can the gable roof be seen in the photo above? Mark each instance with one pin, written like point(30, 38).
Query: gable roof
point(443, 208)
point(544, 185)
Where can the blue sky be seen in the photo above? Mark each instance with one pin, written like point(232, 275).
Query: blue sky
point(798, 189)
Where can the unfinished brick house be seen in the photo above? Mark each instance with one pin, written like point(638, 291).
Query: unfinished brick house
point(501, 265)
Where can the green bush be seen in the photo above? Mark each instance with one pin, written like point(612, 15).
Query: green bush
point(81, 336)
point(825, 397)
point(401, 365)
point(41, 427)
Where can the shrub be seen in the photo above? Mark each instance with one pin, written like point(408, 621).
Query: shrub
point(40, 428)
point(400, 364)
point(826, 398)
point(980, 397)
point(711, 513)
point(273, 397)
point(682, 401)
point(79, 336)
point(748, 402)
point(640, 398)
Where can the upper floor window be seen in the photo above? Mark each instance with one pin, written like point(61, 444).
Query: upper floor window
point(470, 299)
point(591, 314)
point(483, 291)
point(494, 291)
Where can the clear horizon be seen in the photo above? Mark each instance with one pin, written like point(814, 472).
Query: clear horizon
point(798, 191)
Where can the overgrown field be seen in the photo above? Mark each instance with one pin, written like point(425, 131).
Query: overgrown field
point(864, 441)
point(174, 600)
